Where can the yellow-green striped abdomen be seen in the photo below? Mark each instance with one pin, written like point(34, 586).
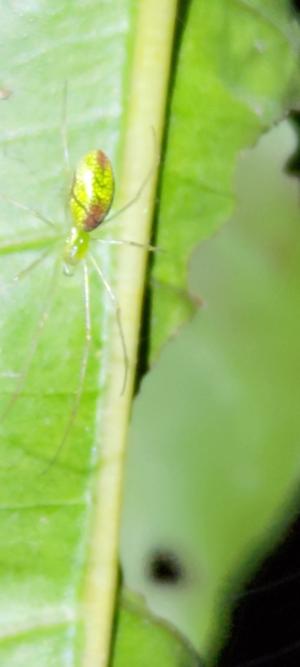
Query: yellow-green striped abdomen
point(92, 191)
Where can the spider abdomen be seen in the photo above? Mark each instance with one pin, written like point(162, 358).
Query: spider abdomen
point(92, 191)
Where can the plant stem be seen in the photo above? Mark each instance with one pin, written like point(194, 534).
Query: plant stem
point(146, 115)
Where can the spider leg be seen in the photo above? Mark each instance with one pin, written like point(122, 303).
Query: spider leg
point(145, 181)
point(117, 310)
point(83, 368)
point(28, 209)
point(145, 246)
point(64, 134)
point(44, 314)
point(31, 266)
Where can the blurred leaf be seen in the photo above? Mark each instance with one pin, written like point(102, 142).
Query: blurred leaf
point(215, 448)
point(293, 164)
point(236, 73)
point(140, 638)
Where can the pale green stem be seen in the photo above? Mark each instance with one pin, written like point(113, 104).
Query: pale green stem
point(146, 115)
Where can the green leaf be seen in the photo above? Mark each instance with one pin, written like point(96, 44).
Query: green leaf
point(138, 638)
point(236, 73)
point(63, 425)
point(62, 440)
point(219, 413)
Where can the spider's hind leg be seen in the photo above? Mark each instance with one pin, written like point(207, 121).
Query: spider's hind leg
point(117, 310)
point(82, 371)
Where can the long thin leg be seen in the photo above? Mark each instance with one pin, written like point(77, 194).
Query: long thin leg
point(34, 343)
point(83, 367)
point(64, 135)
point(28, 209)
point(142, 186)
point(66, 152)
point(145, 246)
point(131, 201)
point(31, 266)
point(116, 306)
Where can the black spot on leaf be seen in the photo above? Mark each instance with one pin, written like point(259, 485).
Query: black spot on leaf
point(164, 567)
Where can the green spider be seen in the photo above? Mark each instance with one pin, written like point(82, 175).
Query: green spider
point(90, 200)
